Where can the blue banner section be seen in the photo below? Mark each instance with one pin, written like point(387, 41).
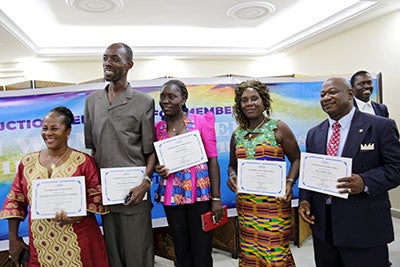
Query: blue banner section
point(295, 101)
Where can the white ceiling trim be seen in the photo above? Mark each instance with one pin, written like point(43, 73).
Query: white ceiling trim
point(324, 26)
point(16, 31)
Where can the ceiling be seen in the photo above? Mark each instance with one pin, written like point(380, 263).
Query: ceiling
point(81, 29)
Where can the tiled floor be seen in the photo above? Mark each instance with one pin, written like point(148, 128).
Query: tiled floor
point(303, 256)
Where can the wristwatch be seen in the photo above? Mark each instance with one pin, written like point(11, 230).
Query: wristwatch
point(148, 179)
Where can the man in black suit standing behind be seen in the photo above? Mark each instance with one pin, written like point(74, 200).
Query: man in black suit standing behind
point(362, 84)
point(354, 231)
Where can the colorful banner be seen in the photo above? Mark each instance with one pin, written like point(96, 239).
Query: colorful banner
point(295, 101)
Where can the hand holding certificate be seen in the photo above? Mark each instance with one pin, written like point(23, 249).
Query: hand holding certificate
point(116, 183)
point(52, 195)
point(181, 152)
point(261, 177)
point(320, 173)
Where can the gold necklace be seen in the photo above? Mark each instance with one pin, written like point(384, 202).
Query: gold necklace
point(174, 128)
point(53, 164)
point(258, 126)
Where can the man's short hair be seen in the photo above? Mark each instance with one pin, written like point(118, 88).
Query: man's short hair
point(353, 77)
point(128, 51)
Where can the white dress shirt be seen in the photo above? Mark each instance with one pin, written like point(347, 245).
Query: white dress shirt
point(345, 123)
point(365, 106)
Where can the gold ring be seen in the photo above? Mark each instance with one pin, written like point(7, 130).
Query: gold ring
point(349, 190)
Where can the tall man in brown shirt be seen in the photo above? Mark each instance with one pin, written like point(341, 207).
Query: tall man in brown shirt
point(119, 129)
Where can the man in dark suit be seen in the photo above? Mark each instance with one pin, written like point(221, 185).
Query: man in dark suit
point(353, 232)
point(362, 84)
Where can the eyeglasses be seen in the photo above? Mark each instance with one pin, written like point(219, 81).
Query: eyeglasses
point(167, 97)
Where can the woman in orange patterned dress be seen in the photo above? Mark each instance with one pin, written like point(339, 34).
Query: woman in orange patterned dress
point(264, 221)
point(62, 241)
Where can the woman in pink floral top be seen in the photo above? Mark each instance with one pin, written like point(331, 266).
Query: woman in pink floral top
point(191, 192)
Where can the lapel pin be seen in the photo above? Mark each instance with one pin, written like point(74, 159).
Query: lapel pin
point(360, 130)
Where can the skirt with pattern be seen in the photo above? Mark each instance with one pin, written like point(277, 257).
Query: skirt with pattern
point(264, 230)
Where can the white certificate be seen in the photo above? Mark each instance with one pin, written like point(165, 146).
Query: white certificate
point(116, 183)
point(181, 152)
point(261, 177)
point(56, 194)
point(320, 173)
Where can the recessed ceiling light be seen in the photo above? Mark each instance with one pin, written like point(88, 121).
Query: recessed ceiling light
point(96, 6)
point(251, 10)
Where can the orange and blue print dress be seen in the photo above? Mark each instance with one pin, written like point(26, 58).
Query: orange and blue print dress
point(193, 184)
point(264, 223)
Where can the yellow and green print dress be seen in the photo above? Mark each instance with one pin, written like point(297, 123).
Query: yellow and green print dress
point(264, 222)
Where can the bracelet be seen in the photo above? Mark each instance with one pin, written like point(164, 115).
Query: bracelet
point(215, 199)
point(290, 180)
point(148, 179)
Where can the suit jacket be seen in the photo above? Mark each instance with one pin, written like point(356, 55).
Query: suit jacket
point(380, 109)
point(363, 220)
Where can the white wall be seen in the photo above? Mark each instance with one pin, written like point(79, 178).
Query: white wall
point(82, 71)
point(374, 46)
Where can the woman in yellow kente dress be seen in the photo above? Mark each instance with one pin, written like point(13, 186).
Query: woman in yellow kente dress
point(264, 221)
